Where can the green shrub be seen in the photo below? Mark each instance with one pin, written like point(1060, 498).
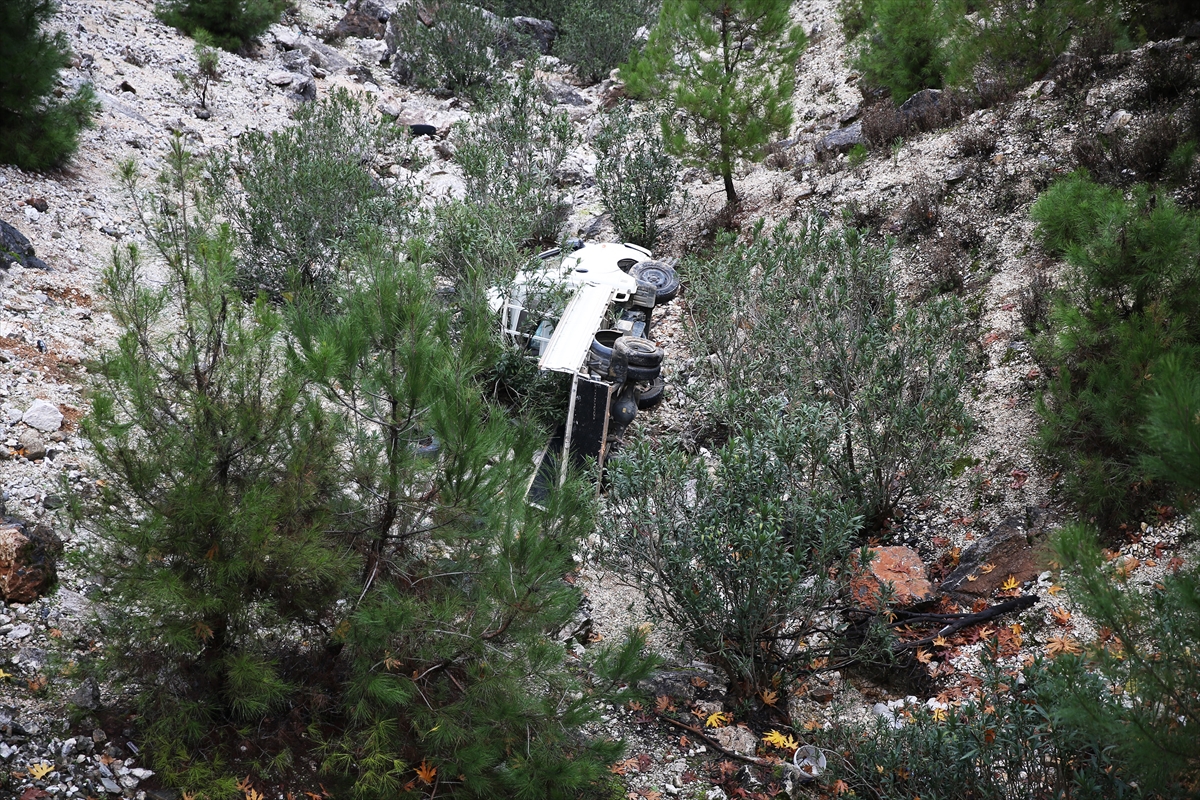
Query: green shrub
point(553, 10)
point(731, 99)
point(600, 35)
point(904, 50)
point(1001, 743)
point(635, 175)
point(510, 154)
point(37, 131)
point(1150, 664)
point(229, 24)
point(207, 72)
point(744, 555)
point(302, 197)
point(457, 53)
point(812, 316)
point(1134, 299)
point(855, 16)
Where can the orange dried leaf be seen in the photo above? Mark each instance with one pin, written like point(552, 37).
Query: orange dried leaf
point(426, 771)
point(769, 697)
point(1057, 645)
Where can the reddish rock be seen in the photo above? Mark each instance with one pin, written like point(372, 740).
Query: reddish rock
point(1011, 549)
point(902, 568)
point(28, 560)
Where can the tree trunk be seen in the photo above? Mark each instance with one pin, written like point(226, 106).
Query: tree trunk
point(731, 197)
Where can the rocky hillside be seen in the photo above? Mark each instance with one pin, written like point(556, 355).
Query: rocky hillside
point(956, 197)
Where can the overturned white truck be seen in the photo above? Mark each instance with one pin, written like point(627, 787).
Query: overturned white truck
point(602, 338)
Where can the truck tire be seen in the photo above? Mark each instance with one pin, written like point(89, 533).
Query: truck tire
point(639, 352)
point(659, 275)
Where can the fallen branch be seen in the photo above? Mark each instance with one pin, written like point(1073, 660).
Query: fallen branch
point(959, 621)
point(711, 742)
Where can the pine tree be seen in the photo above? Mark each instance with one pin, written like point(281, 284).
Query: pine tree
point(230, 24)
point(728, 66)
point(37, 131)
point(454, 651)
point(313, 519)
point(216, 492)
point(1152, 653)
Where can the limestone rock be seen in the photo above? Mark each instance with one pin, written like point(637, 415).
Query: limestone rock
point(43, 415)
point(32, 444)
point(738, 739)
point(921, 102)
point(541, 31)
point(28, 560)
point(842, 139)
point(359, 21)
point(87, 696)
point(1119, 119)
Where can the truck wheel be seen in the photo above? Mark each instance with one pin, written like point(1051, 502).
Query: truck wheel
point(642, 374)
point(639, 352)
point(662, 277)
point(652, 395)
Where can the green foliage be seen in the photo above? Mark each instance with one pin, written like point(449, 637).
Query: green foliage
point(228, 24)
point(302, 197)
point(904, 49)
point(1004, 743)
point(208, 63)
point(812, 316)
point(600, 35)
point(855, 16)
point(318, 518)
point(554, 10)
point(452, 652)
point(509, 154)
point(728, 66)
point(1134, 299)
point(635, 175)
point(1002, 46)
point(746, 555)
point(1146, 701)
point(37, 131)
point(211, 522)
point(1173, 424)
point(1150, 668)
point(857, 155)
point(1015, 42)
point(456, 53)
